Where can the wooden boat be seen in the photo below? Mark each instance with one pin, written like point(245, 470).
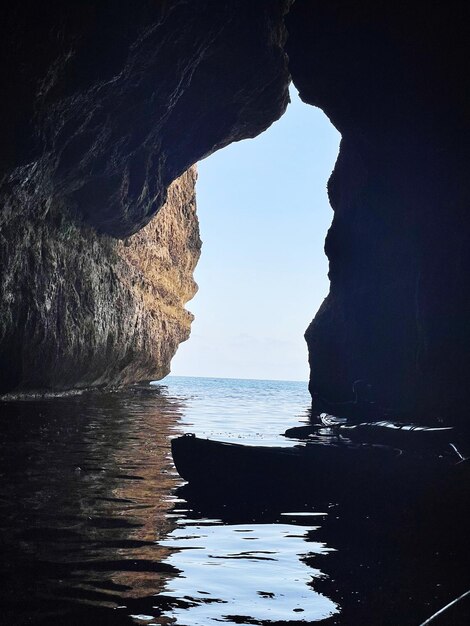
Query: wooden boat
point(329, 466)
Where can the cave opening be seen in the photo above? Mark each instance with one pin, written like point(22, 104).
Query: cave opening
point(264, 214)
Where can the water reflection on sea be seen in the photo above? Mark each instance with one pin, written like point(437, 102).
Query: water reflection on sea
point(246, 573)
point(96, 527)
point(86, 488)
point(91, 527)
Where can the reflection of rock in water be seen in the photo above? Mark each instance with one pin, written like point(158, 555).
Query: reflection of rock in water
point(86, 489)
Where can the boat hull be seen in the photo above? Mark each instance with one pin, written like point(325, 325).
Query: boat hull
point(326, 468)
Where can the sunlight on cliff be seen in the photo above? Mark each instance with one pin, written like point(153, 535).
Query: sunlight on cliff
point(264, 214)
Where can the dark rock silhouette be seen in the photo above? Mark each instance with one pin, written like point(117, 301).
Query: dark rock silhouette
point(393, 78)
point(361, 408)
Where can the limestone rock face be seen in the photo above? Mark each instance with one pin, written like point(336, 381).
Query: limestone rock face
point(81, 309)
point(393, 78)
point(116, 100)
point(104, 105)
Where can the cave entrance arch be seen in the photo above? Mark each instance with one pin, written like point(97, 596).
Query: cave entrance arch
point(264, 214)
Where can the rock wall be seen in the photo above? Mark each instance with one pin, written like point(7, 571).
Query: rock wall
point(81, 309)
point(117, 99)
point(393, 78)
point(105, 104)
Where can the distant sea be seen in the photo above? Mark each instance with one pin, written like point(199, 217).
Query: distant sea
point(255, 412)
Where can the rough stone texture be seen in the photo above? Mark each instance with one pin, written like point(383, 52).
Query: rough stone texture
point(117, 99)
point(81, 309)
point(393, 78)
point(105, 104)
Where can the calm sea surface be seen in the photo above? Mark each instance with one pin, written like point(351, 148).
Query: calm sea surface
point(95, 527)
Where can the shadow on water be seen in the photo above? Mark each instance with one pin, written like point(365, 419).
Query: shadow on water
point(394, 560)
point(96, 528)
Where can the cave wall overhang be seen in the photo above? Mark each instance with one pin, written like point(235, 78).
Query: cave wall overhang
point(116, 100)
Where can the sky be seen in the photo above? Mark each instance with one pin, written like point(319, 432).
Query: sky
point(264, 214)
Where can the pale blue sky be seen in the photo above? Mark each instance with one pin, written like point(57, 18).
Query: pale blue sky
point(264, 214)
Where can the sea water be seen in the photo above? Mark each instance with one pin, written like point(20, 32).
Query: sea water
point(96, 528)
point(252, 412)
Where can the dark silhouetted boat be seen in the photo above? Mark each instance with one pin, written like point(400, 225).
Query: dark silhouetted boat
point(386, 432)
point(328, 466)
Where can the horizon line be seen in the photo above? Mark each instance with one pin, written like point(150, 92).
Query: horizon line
point(273, 380)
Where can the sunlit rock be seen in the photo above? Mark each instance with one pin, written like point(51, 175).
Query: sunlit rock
point(104, 106)
point(82, 309)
